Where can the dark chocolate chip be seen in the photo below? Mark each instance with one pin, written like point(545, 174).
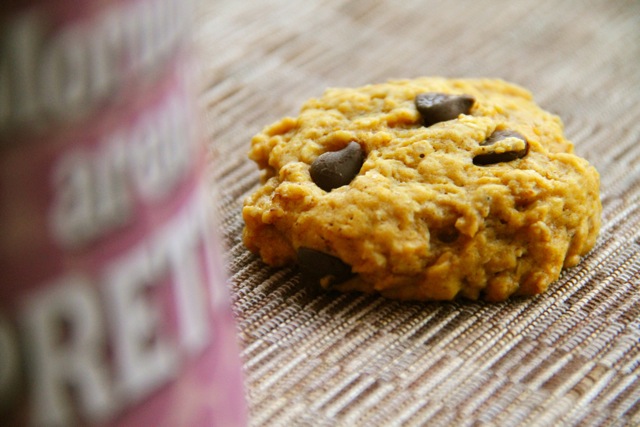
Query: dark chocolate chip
point(322, 269)
point(499, 135)
point(440, 107)
point(491, 158)
point(337, 168)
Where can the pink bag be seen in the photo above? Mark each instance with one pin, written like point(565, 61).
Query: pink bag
point(113, 303)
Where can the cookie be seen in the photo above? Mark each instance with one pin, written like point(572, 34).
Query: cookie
point(425, 189)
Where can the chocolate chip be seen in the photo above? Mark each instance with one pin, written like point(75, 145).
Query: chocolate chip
point(509, 153)
point(337, 168)
point(440, 107)
point(323, 269)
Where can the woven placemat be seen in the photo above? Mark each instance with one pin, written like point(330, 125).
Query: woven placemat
point(568, 357)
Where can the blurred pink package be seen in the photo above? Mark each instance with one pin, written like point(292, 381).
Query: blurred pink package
point(113, 304)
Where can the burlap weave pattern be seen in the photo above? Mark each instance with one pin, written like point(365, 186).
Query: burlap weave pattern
point(568, 357)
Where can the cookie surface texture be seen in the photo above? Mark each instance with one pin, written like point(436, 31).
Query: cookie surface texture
point(486, 203)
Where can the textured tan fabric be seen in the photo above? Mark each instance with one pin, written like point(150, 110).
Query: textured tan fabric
point(568, 357)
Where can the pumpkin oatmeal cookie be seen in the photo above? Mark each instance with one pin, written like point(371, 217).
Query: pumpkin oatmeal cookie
point(423, 189)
